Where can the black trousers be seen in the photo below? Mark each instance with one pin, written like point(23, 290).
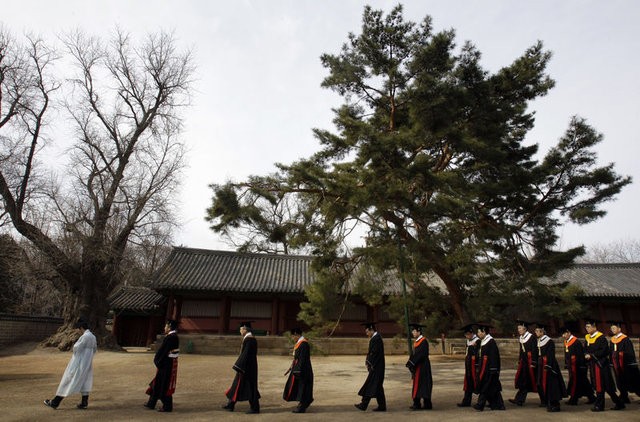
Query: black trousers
point(167, 402)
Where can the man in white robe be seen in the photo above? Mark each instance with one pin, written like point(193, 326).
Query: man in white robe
point(78, 377)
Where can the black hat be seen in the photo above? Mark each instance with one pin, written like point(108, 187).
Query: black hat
point(484, 327)
point(416, 326)
point(172, 323)
point(81, 323)
point(591, 321)
point(296, 331)
point(568, 327)
point(469, 328)
point(616, 322)
point(523, 323)
point(246, 324)
point(369, 325)
point(541, 326)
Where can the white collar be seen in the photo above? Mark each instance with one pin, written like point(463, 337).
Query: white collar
point(594, 334)
point(486, 339)
point(570, 337)
point(472, 341)
point(525, 337)
point(419, 337)
point(172, 332)
point(543, 340)
point(249, 334)
point(374, 334)
point(301, 339)
point(619, 334)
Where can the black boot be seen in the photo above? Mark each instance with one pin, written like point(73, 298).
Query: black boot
point(229, 406)
point(84, 403)
point(53, 403)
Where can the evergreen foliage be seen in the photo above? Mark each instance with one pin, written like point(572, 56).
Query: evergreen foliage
point(429, 152)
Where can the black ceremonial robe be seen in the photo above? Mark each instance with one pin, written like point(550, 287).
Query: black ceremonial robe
point(550, 382)
point(489, 386)
point(373, 385)
point(420, 368)
point(579, 385)
point(299, 385)
point(166, 361)
point(245, 383)
point(601, 377)
point(625, 366)
point(527, 360)
point(471, 365)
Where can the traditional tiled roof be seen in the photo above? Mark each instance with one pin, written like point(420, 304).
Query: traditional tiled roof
point(136, 299)
point(603, 280)
point(224, 271)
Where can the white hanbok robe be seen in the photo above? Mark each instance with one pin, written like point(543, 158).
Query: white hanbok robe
point(78, 377)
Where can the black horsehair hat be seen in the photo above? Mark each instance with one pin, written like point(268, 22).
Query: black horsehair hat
point(484, 327)
point(369, 325)
point(416, 326)
point(591, 321)
point(569, 327)
point(541, 326)
point(246, 324)
point(523, 323)
point(469, 328)
point(172, 323)
point(82, 323)
point(616, 322)
point(296, 331)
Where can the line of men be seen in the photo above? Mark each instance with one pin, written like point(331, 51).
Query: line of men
point(538, 370)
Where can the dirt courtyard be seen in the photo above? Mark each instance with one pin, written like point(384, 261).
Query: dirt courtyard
point(29, 374)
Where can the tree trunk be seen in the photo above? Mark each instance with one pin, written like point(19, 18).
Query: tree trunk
point(92, 305)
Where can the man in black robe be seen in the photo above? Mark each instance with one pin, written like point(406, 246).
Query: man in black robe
point(373, 385)
point(489, 386)
point(625, 365)
point(551, 385)
point(420, 368)
point(579, 385)
point(470, 365)
point(597, 355)
point(245, 383)
point(163, 385)
point(526, 375)
point(299, 385)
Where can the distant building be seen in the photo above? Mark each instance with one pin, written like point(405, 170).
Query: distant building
point(213, 291)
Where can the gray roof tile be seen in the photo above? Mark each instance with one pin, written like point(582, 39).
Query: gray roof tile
point(604, 280)
point(140, 299)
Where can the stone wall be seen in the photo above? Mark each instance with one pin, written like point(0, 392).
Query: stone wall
point(21, 328)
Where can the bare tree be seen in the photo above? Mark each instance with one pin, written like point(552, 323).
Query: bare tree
point(619, 251)
point(122, 100)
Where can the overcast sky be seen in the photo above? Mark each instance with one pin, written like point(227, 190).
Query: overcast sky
point(258, 91)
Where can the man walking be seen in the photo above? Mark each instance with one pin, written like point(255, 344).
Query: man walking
point(163, 384)
point(489, 386)
point(470, 365)
point(299, 385)
point(579, 385)
point(373, 385)
point(420, 368)
point(245, 383)
point(551, 385)
point(78, 376)
point(597, 355)
point(625, 365)
point(526, 374)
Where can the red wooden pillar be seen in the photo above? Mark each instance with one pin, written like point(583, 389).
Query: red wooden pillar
point(225, 313)
point(275, 315)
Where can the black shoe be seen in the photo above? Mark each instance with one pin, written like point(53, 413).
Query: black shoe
point(229, 407)
point(81, 406)
point(147, 406)
point(414, 407)
point(360, 406)
point(380, 409)
point(591, 400)
point(478, 407)
point(498, 408)
point(516, 402)
point(597, 409)
point(553, 409)
point(619, 406)
point(298, 410)
point(463, 404)
point(252, 411)
point(626, 400)
point(427, 406)
point(162, 409)
point(49, 403)
point(571, 403)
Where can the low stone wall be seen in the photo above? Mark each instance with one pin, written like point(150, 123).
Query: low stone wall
point(21, 328)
